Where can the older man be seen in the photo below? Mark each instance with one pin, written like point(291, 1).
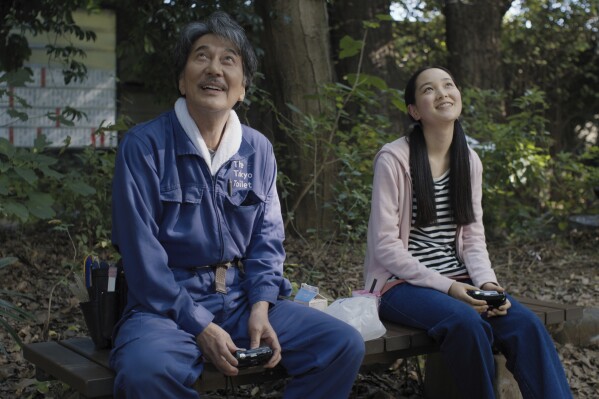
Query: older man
point(197, 220)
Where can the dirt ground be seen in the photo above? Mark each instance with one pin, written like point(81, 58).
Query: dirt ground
point(559, 270)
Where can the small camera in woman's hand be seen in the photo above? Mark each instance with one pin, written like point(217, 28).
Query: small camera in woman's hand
point(493, 298)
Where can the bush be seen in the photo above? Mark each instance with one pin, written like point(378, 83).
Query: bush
point(10, 311)
point(357, 143)
point(354, 131)
point(24, 174)
point(526, 189)
point(85, 208)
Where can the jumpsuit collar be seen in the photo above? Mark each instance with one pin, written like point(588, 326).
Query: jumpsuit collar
point(229, 144)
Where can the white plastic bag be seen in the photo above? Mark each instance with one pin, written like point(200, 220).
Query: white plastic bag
point(361, 313)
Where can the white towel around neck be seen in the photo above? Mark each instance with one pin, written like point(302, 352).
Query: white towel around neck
point(229, 143)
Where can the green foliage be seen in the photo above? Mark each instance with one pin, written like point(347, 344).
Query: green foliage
point(420, 39)
point(347, 133)
point(551, 43)
point(151, 29)
point(39, 183)
point(23, 173)
point(53, 18)
point(525, 189)
point(16, 79)
point(590, 158)
point(83, 198)
point(74, 187)
point(554, 45)
point(32, 181)
point(9, 310)
point(349, 47)
point(573, 179)
point(515, 158)
point(26, 173)
point(84, 209)
point(362, 134)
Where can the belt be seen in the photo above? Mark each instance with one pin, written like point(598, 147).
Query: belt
point(220, 273)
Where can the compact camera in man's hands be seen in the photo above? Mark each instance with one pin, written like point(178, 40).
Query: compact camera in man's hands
point(493, 298)
point(253, 357)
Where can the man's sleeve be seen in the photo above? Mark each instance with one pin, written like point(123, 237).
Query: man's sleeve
point(136, 208)
point(263, 263)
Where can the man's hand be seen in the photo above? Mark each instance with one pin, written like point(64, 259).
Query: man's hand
point(459, 291)
point(217, 347)
point(260, 330)
point(502, 310)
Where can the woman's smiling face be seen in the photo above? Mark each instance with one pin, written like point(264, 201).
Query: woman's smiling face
point(438, 99)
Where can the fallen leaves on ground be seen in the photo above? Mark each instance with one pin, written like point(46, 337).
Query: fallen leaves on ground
point(563, 271)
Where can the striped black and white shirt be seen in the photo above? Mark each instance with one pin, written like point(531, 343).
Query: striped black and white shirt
point(434, 246)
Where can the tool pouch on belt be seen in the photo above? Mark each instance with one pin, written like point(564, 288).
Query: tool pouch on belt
point(107, 300)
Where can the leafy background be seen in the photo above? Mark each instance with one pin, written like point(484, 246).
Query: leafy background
point(539, 167)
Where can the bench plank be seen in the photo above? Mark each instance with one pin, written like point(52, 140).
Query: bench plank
point(88, 378)
point(397, 337)
point(375, 346)
point(403, 337)
point(76, 362)
point(550, 316)
point(85, 347)
point(211, 379)
point(570, 312)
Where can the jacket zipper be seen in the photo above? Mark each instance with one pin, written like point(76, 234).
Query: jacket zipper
point(218, 219)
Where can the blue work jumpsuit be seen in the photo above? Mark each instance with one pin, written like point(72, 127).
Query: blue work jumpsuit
point(170, 215)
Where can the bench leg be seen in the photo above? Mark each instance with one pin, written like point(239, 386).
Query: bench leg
point(438, 381)
point(506, 386)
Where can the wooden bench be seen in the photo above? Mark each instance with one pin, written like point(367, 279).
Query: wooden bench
point(76, 362)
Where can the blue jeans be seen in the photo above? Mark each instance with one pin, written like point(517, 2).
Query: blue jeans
point(154, 358)
point(466, 340)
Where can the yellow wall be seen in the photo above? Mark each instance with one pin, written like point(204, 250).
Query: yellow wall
point(48, 94)
point(101, 53)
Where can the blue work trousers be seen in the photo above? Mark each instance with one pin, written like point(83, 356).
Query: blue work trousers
point(466, 340)
point(153, 358)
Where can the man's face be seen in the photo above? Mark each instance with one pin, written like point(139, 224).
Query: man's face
point(212, 80)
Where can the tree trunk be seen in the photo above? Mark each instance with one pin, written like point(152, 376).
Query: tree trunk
point(297, 63)
point(473, 30)
point(346, 18)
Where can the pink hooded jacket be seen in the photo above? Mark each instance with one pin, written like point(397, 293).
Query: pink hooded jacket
point(390, 222)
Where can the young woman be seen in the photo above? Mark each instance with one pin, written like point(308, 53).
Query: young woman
point(426, 250)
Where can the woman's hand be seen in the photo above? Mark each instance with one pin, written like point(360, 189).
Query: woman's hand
point(260, 330)
point(218, 347)
point(460, 291)
point(502, 310)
